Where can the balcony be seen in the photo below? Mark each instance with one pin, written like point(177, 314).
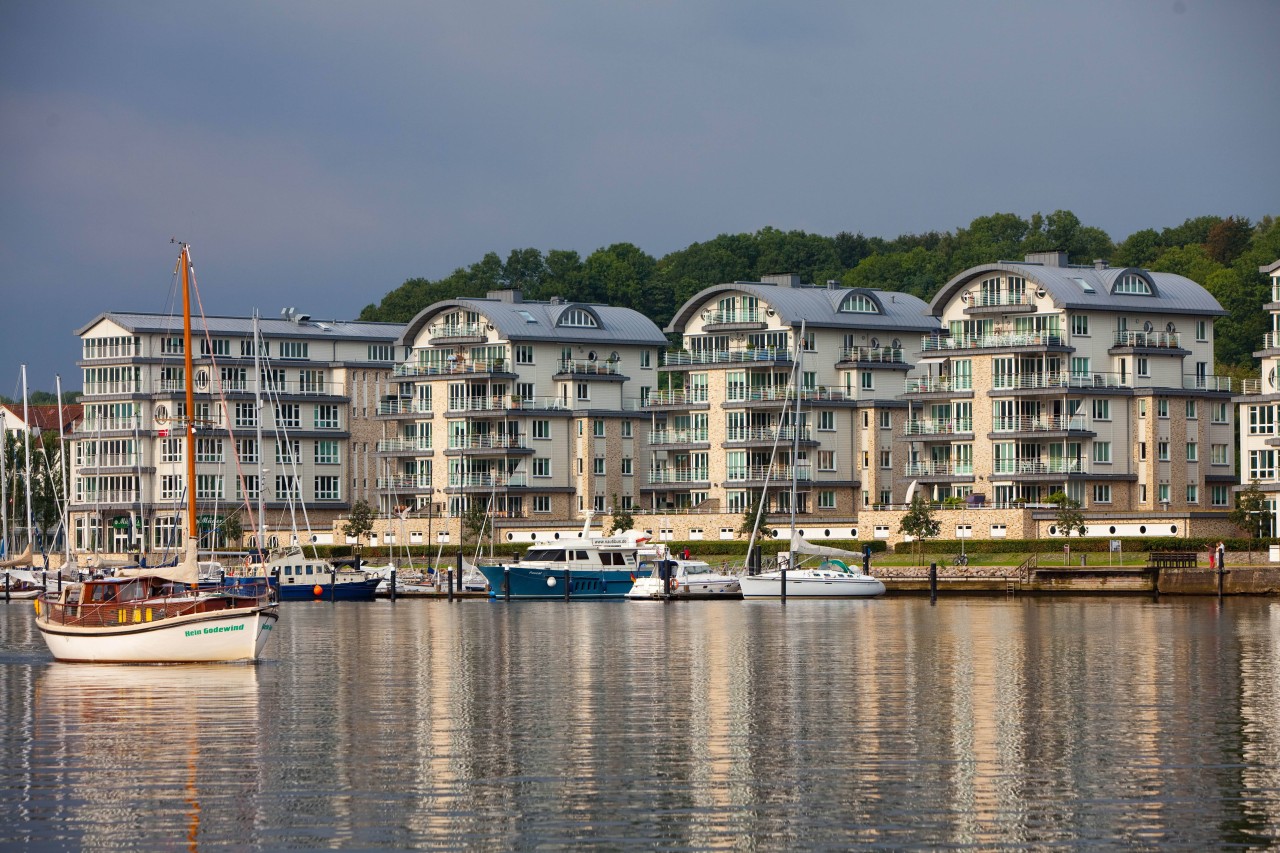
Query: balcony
point(457, 332)
point(1006, 340)
point(768, 434)
point(678, 475)
point(1251, 386)
point(93, 389)
point(403, 406)
point(112, 460)
point(406, 482)
point(109, 497)
point(486, 481)
point(1191, 381)
point(95, 425)
point(505, 403)
point(1271, 340)
point(746, 319)
point(580, 367)
point(495, 442)
point(737, 356)
point(403, 445)
point(659, 399)
point(1147, 340)
point(939, 385)
point(936, 426)
point(1032, 467)
point(782, 393)
point(1075, 423)
point(1058, 381)
point(459, 367)
point(774, 474)
point(98, 348)
point(873, 355)
point(938, 469)
point(997, 302)
point(678, 436)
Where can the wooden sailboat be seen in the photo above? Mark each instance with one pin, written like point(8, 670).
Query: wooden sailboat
point(160, 615)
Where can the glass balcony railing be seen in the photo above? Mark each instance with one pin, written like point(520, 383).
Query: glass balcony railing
point(1034, 466)
point(890, 355)
point(679, 475)
point(403, 445)
point(1045, 424)
point(404, 406)
point(487, 442)
point(938, 469)
point(459, 366)
point(677, 436)
point(405, 481)
point(456, 330)
point(934, 384)
point(775, 473)
point(735, 356)
point(937, 426)
point(573, 365)
point(713, 317)
point(783, 434)
point(1148, 339)
point(1195, 382)
point(946, 343)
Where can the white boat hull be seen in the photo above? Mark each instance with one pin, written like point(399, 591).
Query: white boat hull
point(222, 636)
point(651, 588)
point(803, 584)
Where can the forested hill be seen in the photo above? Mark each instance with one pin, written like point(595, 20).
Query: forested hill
point(1221, 254)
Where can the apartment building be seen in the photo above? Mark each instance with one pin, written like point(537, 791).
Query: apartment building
point(1258, 415)
point(531, 410)
point(1091, 380)
point(724, 427)
point(318, 380)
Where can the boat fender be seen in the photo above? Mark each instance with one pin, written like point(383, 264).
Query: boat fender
point(37, 607)
point(318, 590)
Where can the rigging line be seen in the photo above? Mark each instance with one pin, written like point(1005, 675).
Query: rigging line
point(773, 453)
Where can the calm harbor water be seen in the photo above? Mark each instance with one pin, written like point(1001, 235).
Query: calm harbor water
point(982, 722)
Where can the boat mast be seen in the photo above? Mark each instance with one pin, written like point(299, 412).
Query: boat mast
point(262, 472)
point(184, 259)
point(797, 385)
point(4, 486)
point(26, 417)
point(66, 486)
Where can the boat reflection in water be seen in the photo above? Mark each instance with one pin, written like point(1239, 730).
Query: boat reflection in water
point(144, 744)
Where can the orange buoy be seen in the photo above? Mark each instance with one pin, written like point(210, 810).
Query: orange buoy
point(318, 590)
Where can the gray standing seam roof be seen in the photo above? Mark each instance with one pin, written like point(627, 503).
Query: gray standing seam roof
point(819, 307)
point(620, 325)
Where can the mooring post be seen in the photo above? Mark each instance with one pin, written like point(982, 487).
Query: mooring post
point(566, 584)
point(393, 584)
point(506, 583)
point(8, 579)
point(933, 583)
point(1220, 574)
point(783, 570)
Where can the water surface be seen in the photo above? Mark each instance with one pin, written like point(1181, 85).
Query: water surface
point(981, 722)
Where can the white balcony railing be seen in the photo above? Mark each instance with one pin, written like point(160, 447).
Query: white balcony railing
point(939, 426)
point(1033, 466)
point(678, 436)
point(933, 343)
point(890, 355)
point(945, 384)
point(783, 434)
point(734, 356)
point(938, 469)
point(776, 473)
point(679, 475)
point(402, 445)
point(1148, 339)
point(1044, 424)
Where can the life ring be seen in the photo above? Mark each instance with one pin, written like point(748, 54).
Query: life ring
point(675, 585)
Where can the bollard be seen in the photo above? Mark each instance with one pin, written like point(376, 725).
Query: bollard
point(506, 583)
point(784, 581)
point(8, 580)
point(566, 584)
point(393, 584)
point(1084, 559)
point(1220, 574)
point(933, 583)
point(448, 579)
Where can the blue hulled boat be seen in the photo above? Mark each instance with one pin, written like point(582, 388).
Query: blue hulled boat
point(593, 567)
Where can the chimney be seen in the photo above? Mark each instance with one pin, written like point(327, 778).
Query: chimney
point(509, 295)
point(1048, 259)
point(557, 300)
point(1100, 264)
point(786, 279)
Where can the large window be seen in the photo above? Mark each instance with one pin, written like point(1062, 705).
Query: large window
point(328, 488)
point(1131, 283)
point(327, 453)
point(1262, 464)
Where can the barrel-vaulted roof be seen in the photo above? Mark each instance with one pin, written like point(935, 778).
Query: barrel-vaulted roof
point(271, 327)
point(557, 320)
point(819, 307)
point(1093, 288)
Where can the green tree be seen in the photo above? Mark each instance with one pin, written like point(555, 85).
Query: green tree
point(475, 521)
point(232, 529)
point(1228, 240)
point(621, 521)
point(1250, 506)
point(920, 524)
point(359, 523)
point(1067, 514)
point(750, 513)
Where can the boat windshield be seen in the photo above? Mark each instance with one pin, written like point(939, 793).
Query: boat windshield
point(697, 569)
point(545, 555)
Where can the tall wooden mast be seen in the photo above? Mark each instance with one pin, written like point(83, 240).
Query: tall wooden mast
point(189, 422)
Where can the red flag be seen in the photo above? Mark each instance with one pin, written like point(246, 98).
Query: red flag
point(164, 433)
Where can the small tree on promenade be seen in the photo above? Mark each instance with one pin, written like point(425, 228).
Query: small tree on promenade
point(920, 524)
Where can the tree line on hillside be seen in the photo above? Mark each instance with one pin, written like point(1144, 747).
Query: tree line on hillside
point(43, 398)
point(1222, 254)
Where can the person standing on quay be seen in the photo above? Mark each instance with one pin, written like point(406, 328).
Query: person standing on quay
point(1213, 553)
point(1222, 556)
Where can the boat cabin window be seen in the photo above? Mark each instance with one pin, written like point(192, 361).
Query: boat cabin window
point(131, 591)
point(613, 558)
point(308, 568)
point(546, 555)
point(696, 569)
point(103, 592)
point(581, 555)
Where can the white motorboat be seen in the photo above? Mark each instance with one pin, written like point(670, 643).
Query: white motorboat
point(690, 579)
point(832, 578)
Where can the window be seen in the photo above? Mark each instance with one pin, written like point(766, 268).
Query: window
point(645, 359)
point(288, 415)
point(246, 414)
point(311, 381)
point(826, 421)
point(1102, 410)
point(1080, 367)
point(583, 391)
point(886, 420)
point(327, 416)
point(541, 466)
point(171, 346)
point(327, 453)
point(542, 429)
point(577, 317)
point(866, 459)
point(886, 496)
point(1218, 414)
point(867, 380)
point(247, 450)
point(221, 346)
point(1132, 283)
point(525, 392)
point(1193, 493)
point(1193, 412)
point(209, 487)
point(1218, 454)
point(1102, 494)
point(288, 452)
point(1193, 452)
point(999, 531)
point(247, 487)
point(293, 349)
point(1102, 451)
point(1262, 420)
point(1142, 493)
point(1142, 408)
point(886, 458)
point(598, 467)
point(287, 487)
point(597, 428)
point(626, 429)
point(866, 420)
point(626, 466)
point(826, 500)
point(597, 503)
point(1219, 495)
point(1143, 366)
point(1262, 464)
point(171, 450)
point(209, 450)
point(542, 503)
point(826, 460)
point(1202, 330)
point(1162, 493)
point(859, 303)
point(1142, 450)
point(328, 488)
point(1162, 451)
point(1079, 324)
point(524, 353)
point(246, 348)
point(1162, 407)
point(171, 487)
point(382, 352)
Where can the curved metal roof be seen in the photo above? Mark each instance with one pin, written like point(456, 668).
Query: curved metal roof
point(1171, 293)
point(537, 321)
point(819, 307)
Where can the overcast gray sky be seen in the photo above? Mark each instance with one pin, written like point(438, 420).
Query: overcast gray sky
point(316, 154)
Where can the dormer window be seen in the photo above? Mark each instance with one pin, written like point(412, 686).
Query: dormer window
point(578, 317)
point(859, 303)
point(1131, 283)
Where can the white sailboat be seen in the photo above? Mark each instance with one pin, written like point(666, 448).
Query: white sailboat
point(832, 577)
point(163, 614)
